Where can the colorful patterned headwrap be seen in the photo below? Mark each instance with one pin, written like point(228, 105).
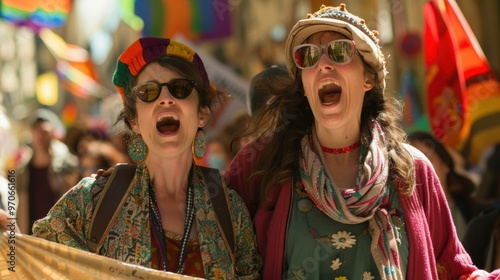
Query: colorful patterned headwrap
point(144, 51)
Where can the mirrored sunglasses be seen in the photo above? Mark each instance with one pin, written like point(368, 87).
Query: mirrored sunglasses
point(150, 91)
point(338, 51)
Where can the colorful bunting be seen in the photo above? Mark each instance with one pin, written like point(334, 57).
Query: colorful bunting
point(74, 67)
point(196, 19)
point(35, 14)
point(79, 78)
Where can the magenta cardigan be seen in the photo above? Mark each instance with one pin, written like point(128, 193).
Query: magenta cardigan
point(434, 245)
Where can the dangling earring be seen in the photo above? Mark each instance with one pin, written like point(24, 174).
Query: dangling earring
point(137, 149)
point(199, 147)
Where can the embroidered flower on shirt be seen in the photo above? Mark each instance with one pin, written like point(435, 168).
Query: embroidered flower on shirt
point(341, 278)
point(343, 239)
point(336, 264)
point(367, 276)
point(299, 274)
point(57, 225)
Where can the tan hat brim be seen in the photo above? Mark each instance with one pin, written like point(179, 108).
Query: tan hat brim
point(303, 29)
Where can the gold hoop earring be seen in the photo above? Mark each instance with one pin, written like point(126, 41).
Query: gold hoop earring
point(198, 146)
point(137, 149)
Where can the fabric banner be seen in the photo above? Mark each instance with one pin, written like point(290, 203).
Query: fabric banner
point(35, 14)
point(26, 257)
point(196, 19)
point(463, 96)
point(74, 66)
point(444, 79)
point(482, 119)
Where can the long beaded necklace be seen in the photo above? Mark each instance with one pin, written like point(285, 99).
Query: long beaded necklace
point(158, 227)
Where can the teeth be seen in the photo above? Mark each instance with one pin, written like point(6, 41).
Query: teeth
point(327, 82)
point(167, 116)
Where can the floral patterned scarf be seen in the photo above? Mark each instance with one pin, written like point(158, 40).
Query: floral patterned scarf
point(364, 202)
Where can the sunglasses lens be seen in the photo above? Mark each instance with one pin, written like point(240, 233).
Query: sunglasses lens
point(307, 56)
point(181, 88)
point(148, 92)
point(340, 52)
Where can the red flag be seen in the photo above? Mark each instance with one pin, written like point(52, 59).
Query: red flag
point(444, 78)
point(482, 125)
point(477, 125)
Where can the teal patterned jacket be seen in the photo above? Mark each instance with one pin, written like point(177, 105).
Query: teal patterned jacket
point(130, 237)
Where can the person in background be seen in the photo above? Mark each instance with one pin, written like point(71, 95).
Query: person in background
point(482, 239)
point(167, 221)
point(333, 189)
point(81, 138)
point(482, 235)
point(222, 148)
point(257, 96)
point(489, 186)
point(457, 183)
point(218, 152)
point(99, 155)
point(8, 194)
point(46, 170)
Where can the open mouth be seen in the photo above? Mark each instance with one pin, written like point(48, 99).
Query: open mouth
point(329, 92)
point(167, 124)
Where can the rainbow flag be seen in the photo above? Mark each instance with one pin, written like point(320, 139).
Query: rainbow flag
point(463, 95)
point(79, 78)
point(35, 14)
point(75, 69)
point(196, 20)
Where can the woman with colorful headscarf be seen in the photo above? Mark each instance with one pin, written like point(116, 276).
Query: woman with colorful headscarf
point(167, 221)
point(334, 191)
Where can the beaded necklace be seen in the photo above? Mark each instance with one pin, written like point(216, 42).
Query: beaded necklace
point(337, 150)
point(340, 150)
point(158, 227)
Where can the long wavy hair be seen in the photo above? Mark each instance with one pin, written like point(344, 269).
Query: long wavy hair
point(281, 126)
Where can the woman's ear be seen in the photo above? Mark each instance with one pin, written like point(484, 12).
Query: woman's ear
point(203, 116)
point(368, 83)
point(134, 125)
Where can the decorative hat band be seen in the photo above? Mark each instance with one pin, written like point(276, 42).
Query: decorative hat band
point(147, 49)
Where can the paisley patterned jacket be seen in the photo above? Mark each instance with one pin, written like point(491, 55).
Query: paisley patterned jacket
point(130, 237)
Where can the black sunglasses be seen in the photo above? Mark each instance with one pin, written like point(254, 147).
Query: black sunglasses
point(150, 91)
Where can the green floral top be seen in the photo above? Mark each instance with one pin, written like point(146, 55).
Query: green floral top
point(130, 237)
point(318, 247)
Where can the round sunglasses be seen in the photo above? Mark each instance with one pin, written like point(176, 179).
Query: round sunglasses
point(150, 91)
point(338, 51)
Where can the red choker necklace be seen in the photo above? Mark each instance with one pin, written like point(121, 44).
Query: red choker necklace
point(340, 150)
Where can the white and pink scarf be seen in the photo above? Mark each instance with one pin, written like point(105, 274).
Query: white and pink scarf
point(364, 202)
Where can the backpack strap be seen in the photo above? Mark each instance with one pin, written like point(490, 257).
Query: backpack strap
point(218, 196)
point(112, 198)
